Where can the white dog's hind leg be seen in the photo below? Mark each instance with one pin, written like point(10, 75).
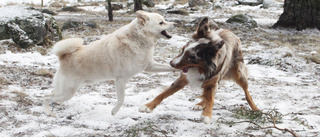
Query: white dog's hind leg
point(120, 89)
point(64, 90)
point(46, 103)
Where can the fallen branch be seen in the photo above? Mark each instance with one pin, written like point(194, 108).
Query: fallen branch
point(273, 115)
point(147, 129)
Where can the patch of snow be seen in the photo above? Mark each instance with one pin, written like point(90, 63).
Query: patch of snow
point(293, 92)
point(265, 21)
point(100, 8)
point(263, 72)
point(163, 7)
point(10, 12)
point(20, 2)
point(27, 59)
point(177, 41)
point(245, 8)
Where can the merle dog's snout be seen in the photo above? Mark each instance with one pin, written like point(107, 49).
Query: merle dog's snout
point(172, 64)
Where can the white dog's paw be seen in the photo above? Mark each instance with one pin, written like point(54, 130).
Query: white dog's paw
point(206, 119)
point(197, 107)
point(144, 108)
point(48, 112)
point(114, 111)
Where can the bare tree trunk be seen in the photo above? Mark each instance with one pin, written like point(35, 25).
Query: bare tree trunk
point(41, 4)
point(110, 10)
point(300, 14)
point(137, 5)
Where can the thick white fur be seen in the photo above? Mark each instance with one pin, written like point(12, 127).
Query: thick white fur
point(66, 46)
point(205, 119)
point(195, 78)
point(144, 108)
point(117, 56)
point(215, 35)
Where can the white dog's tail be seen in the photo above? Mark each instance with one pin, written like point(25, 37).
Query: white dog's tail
point(66, 46)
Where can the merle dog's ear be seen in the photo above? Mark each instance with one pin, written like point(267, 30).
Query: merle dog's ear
point(142, 17)
point(203, 28)
point(213, 25)
point(210, 52)
point(215, 46)
point(219, 44)
point(204, 21)
point(210, 69)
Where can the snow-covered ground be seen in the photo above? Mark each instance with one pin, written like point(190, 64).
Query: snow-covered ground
point(38, 2)
point(280, 79)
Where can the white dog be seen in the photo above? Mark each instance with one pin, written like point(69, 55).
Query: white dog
point(118, 56)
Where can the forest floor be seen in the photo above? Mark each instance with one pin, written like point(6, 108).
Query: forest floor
point(284, 83)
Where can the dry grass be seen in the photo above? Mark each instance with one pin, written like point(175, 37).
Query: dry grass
point(22, 99)
point(42, 50)
point(32, 4)
point(181, 2)
point(2, 80)
point(147, 128)
point(259, 118)
point(11, 4)
point(43, 72)
point(313, 58)
point(297, 43)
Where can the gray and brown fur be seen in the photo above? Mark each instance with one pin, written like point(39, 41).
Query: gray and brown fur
point(216, 55)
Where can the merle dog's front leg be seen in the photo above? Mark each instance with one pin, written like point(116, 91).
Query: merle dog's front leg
point(175, 86)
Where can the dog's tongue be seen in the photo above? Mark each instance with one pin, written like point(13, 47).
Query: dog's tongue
point(164, 33)
point(185, 70)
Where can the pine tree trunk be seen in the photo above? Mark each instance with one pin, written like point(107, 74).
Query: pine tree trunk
point(110, 10)
point(300, 14)
point(137, 5)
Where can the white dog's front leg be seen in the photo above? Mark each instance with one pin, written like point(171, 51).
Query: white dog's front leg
point(120, 89)
point(157, 67)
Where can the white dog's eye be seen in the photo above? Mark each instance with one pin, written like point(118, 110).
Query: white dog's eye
point(161, 22)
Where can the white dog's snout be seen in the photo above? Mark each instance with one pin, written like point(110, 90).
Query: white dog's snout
point(175, 24)
point(172, 24)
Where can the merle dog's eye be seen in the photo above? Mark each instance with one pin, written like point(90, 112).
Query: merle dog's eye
point(161, 22)
point(191, 57)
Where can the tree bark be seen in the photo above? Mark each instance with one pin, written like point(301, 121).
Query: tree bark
point(110, 10)
point(137, 5)
point(300, 14)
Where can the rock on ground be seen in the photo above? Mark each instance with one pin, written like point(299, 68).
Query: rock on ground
point(271, 3)
point(250, 2)
point(28, 27)
point(148, 3)
point(115, 6)
point(244, 20)
point(193, 3)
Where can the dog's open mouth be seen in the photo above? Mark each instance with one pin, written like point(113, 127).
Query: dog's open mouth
point(185, 70)
point(167, 35)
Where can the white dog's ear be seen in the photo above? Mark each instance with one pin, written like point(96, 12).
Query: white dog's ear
point(142, 17)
